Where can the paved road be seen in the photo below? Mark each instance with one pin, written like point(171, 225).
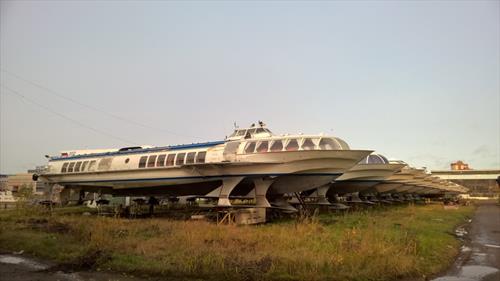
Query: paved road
point(480, 257)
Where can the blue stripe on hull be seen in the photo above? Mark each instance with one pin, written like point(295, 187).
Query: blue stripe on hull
point(138, 151)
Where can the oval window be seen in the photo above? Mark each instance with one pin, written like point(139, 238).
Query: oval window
point(308, 144)
point(277, 146)
point(262, 147)
point(250, 147)
point(292, 145)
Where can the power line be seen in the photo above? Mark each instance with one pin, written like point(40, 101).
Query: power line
point(93, 108)
point(81, 124)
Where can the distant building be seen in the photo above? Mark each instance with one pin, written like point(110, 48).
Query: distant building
point(3, 182)
point(459, 166)
point(479, 182)
point(24, 180)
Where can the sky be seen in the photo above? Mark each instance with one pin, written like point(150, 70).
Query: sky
point(417, 81)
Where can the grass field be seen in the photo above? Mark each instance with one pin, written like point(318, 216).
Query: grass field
point(380, 244)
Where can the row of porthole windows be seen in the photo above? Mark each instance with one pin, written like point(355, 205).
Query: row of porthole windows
point(164, 160)
point(80, 166)
point(292, 145)
point(145, 161)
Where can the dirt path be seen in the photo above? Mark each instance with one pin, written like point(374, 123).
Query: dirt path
point(480, 257)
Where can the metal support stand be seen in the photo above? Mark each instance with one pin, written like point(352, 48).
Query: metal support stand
point(226, 217)
point(261, 187)
point(228, 184)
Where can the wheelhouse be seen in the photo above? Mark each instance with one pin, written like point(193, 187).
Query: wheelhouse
point(259, 131)
point(250, 133)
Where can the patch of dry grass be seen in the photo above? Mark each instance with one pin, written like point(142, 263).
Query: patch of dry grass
point(379, 244)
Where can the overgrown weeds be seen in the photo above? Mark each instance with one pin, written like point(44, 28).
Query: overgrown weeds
point(380, 244)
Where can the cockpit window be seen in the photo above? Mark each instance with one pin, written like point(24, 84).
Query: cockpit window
point(292, 145)
point(251, 131)
point(376, 159)
point(308, 144)
point(241, 133)
point(260, 130)
point(263, 146)
point(250, 147)
point(342, 143)
point(386, 161)
point(277, 145)
point(328, 144)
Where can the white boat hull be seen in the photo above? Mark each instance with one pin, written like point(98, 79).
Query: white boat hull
point(363, 176)
point(286, 168)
